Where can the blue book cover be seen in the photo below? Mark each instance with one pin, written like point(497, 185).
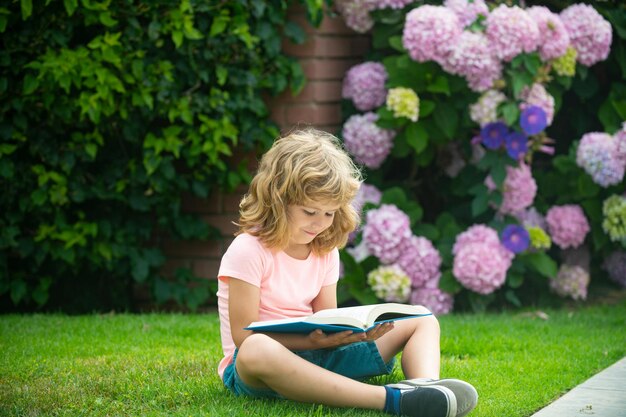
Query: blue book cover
point(357, 319)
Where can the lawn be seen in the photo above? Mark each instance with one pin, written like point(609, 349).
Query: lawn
point(164, 364)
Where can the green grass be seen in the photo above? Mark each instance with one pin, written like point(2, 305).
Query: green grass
point(164, 364)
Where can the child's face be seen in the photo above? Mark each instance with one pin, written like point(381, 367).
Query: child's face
point(309, 220)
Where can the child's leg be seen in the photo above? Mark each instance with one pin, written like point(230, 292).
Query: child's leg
point(418, 339)
point(263, 362)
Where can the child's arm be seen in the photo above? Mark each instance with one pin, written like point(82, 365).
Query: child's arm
point(243, 309)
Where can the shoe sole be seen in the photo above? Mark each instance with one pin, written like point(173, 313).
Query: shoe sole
point(464, 403)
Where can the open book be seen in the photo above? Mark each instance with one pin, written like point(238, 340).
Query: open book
point(358, 319)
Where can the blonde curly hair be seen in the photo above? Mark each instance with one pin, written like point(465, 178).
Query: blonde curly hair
point(303, 167)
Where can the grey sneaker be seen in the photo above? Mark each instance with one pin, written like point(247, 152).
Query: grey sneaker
point(465, 394)
point(426, 401)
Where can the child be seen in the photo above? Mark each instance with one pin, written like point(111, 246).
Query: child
point(284, 262)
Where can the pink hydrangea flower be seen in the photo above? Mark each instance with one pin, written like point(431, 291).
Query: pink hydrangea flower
point(511, 31)
point(466, 11)
point(571, 281)
point(429, 32)
point(481, 267)
point(537, 95)
point(356, 14)
point(420, 260)
point(567, 225)
point(369, 144)
point(615, 265)
point(437, 301)
point(386, 232)
point(600, 155)
point(478, 233)
point(472, 57)
point(364, 84)
point(519, 189)
point(553, 36)
point(485, 109)
point(590, 34)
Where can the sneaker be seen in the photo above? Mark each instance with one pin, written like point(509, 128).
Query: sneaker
point(427, 401)
point(465, 394)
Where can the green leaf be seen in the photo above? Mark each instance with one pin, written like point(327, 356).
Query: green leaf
point(480, 204)
point(30, 84)
point(541, 263)
point(514, 280)
point(426, 230)
point(396, 43)
point(416, 137)
point(70, 6)
point(440, 85)
point(510, 112)
point(448, 283)
point(27, 8)
point(498, 172)
point(426, 108)
point(512, 298)
point(446, 119)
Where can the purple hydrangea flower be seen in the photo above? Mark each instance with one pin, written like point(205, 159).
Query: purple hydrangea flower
point(615, 265)
point(515, 238)
point(533, 120)
point(590, 34)
point(553, 36)
point(364, 84)
point(494, 134)
point(601, 156)
point(567, 225)
point(386, 232)
point(366, 141)
point(420, 260)
point(437, 301)
point(511, 31)
point(429, 32)
point(571, 281)
point(516, 145)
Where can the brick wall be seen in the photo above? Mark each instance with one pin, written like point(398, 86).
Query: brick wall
point(325, 57)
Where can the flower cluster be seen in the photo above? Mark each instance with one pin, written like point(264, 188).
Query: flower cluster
point(403, 102)
point(614, 223)
point(386, 230)
point(511, 31)
point(553, 36)
point(519, 189)
point(601, 156)
point(590, 34)
point(356, 14)
point(437, 301)
point(615, 265)
point(480, 261)
point(537, 95)
point(390, 283)
point(571, 281)
point(467, 11)
point(567, 225)
point(429, 31)
point(471, 57)
point(539, 239)
point(365, 85)
point(566, 65)
point(484, 111)
point(515, 238)
point(421, 261)
point(368, 143)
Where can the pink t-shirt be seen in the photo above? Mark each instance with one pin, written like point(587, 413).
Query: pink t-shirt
point(287, 285)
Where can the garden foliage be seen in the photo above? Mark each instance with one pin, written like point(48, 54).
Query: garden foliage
point(494, 150)
point(110, 112)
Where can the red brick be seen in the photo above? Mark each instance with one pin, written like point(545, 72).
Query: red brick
point(334, 25)
point(348, 46)
point(232, 200)
point(307, 49)
point(223, 222)
point(327, 69)
point(327, 91)
point(315, 114)
point(192, 248)
point(206, 268)
point(194, 204)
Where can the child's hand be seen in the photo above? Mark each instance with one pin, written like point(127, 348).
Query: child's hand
point(328, 340)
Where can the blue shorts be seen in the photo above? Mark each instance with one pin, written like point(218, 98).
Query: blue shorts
point(357, 361)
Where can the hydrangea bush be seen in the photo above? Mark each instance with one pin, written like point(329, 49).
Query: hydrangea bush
point(455, 118)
